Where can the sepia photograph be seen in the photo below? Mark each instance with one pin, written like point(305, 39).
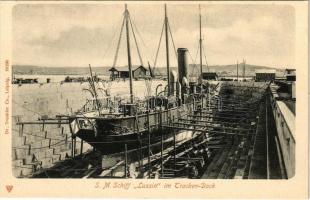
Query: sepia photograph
point(154, 99)
point(153, 91)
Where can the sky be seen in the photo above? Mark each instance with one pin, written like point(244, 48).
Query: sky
point(57, 35)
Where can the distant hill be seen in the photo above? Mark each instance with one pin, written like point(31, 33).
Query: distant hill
point(40, 70)
point(222, 70)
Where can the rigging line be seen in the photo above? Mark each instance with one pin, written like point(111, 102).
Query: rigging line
point(175, 51)
point(27, 108)
point(144, 44)
point(135, 27)
point(110, 43)
point(204, 52)
point(194, 61)
point(134, 36)
point(118, 43)
point(161, 35)
point(197, 70)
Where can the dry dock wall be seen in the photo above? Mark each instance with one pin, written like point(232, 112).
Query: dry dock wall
point(285, 124)
point(40, 146)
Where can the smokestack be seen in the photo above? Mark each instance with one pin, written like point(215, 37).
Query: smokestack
point(182, 69)
point(173, 82)
point(182, 64)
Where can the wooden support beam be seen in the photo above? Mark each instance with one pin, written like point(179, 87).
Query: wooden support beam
point(217, 117)
point(41, 122)
point(211, 126)
point(204, 130)
point(81, 152)
point(232, 107)
point(125, 168)
point(235, 112)
point(215, 122)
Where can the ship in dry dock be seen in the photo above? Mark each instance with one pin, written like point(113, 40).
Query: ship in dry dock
point(115, 125)
point(203, 129)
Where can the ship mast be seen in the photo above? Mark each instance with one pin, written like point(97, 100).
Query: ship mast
point(128, 53)
point(92, 85)
point(200, 45)
point(237, 70)
point(167, 51)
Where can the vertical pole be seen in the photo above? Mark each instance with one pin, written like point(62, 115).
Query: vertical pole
point(200, 47)
point(267, 140)
point(128, 53)
point(22, 130)
point(94, 89)
point(43, 125)
point(138, 134)
point(162, 143)
point(81, 152)
point(71, 131)
point(125, 170)
point(237, 71)
point(72, 147)
point(167, 51)
point(149, 140)
point(209, 99)
point(243, 69)
point(174, 147)
point(74, 140)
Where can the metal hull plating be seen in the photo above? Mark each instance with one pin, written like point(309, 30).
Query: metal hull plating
point(137, 132)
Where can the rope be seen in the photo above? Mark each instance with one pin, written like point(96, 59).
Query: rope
point(161, 35)
point(27, 108)
point(144, 44)
point(110, 43)
point(205, 58)
point(134, 36)
point(175, 51)
point(118, 43)
point(194, 61)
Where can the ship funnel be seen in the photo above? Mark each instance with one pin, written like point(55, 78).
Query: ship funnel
point(182, 64)
point(182, 69)
point(173, 82)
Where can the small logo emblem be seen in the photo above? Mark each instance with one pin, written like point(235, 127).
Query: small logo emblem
point(9, 188)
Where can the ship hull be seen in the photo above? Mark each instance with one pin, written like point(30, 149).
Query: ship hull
point(135, 132)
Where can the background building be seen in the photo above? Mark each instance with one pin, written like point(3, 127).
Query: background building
point(262, 75)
